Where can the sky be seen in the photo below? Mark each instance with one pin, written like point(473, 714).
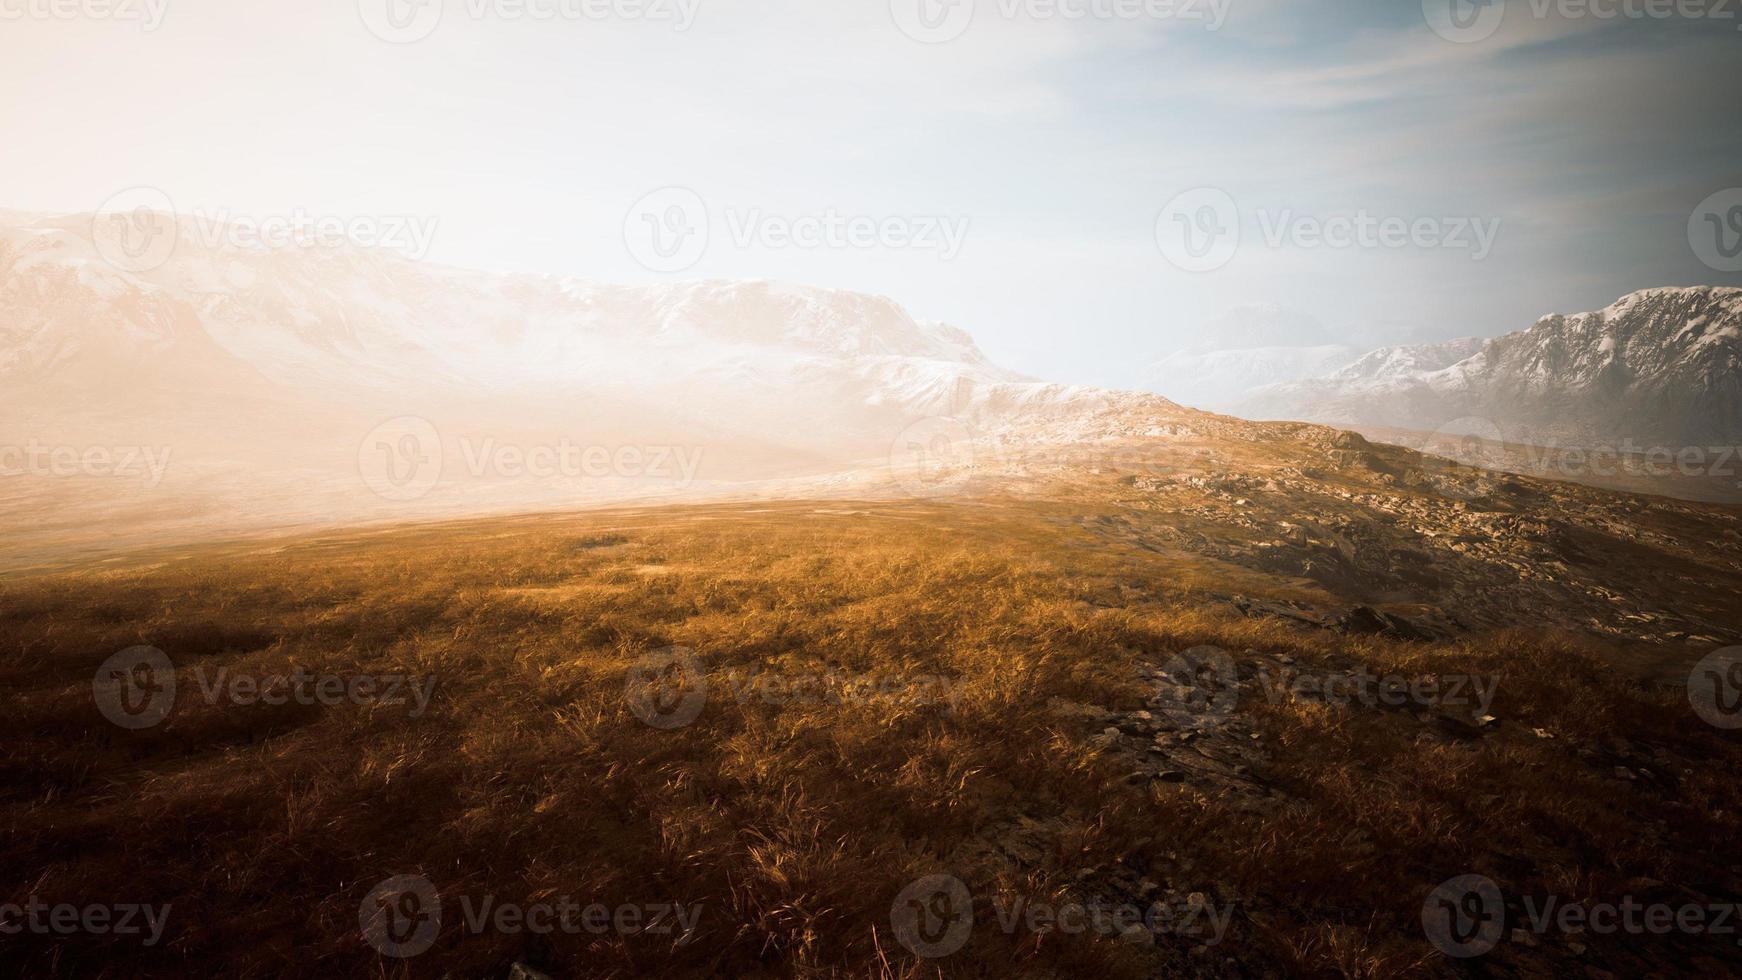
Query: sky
point(1084, 185)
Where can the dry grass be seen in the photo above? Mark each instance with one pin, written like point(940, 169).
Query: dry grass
point(792, 822)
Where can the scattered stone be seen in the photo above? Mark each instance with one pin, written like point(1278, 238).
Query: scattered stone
point(1366, 619)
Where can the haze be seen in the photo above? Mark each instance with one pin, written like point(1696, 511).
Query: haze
point(1056, 141)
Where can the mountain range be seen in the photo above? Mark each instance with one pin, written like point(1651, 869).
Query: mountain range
point(271, 376)
point(284, 386)
point(1658, 367)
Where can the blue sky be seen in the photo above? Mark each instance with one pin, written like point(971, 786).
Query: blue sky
point(1586, 143)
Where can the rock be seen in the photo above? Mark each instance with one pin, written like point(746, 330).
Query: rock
point(1171, 776)
point(520, 971)
point(1367, 620)
point(1137, 935)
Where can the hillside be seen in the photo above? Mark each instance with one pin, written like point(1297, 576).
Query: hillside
point(1127, 681)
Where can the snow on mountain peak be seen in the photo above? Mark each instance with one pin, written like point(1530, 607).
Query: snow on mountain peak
point(1662, 365)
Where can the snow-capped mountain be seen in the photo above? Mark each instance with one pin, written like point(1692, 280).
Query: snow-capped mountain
point(1659, 367)
point(320, 372)
point(1246, 348)
point(348, 315)
point(1408, 359)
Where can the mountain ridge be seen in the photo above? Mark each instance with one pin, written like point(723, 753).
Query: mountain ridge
point(1661, 365)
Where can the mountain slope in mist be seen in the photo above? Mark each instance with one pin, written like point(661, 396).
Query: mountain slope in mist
point(1659, 366)
point(307, 383)
point(351, 328)
point(1247, 348)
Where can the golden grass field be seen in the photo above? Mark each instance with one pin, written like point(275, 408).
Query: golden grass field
point(793, 821)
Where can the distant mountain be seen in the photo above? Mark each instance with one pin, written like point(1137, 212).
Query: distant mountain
point(1259, 325)
point(1407, 360)
point(335, 329)
point(1220, 379)
point(1246, 348)
point(296, 380)
point(1659, 367)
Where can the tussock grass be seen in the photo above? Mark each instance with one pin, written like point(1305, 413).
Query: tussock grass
point(794, 822)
